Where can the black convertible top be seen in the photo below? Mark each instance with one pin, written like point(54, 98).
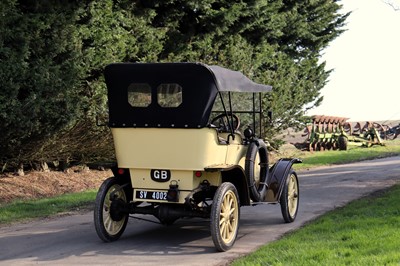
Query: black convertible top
point(200, 85)
point(235, 81)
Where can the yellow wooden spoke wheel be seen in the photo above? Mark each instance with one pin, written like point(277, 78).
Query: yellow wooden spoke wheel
point(225, 213)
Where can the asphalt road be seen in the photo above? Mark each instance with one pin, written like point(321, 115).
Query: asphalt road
point(72, 240)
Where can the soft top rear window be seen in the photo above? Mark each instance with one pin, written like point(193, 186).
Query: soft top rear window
point(139, 94)
point(169, 95)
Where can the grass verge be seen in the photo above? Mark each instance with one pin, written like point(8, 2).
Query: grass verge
point(18, 211)
point(353, 154)
point(364, 232)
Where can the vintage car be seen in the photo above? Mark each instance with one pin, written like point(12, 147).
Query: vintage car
point(184, 148)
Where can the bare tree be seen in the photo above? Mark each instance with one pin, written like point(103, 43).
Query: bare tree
point(395, 4)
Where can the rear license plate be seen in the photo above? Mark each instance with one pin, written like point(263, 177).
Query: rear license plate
point(151, 195)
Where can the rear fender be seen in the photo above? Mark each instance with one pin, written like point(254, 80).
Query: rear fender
point(124, 179)
point(121, 173)
point(276, 179)
point(237, 177)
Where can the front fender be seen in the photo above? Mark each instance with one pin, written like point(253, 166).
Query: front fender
point(276, 178)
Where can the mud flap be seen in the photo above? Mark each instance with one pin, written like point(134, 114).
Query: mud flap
point(276, 178)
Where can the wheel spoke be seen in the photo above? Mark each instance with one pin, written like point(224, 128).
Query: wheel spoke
point(107, 220)
point(108, 224)
point(224, 207)
point(292, 195)
point(228, 204)
point(230, 227)
point(224, 231)
point(227, 217)
point(291, 206)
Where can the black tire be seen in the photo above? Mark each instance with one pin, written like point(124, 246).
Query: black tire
point(256, 169)
point(289, 199)
point(110, 223)
point(225, 215)
point(342, 143)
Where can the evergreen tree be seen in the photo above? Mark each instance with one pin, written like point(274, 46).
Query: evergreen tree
point(37, 73)
point(112, 31)
point(276, 42)
point(53, 53)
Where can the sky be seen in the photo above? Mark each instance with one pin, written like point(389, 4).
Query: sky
point(365, 82)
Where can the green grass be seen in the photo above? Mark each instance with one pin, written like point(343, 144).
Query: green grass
point(353, 154)
point(22, 210)
point(365, 232)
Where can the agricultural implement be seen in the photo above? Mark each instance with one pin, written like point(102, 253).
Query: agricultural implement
point(331, 132)
point(390, 132)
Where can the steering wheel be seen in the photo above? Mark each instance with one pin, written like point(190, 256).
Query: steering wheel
point(222, 122)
